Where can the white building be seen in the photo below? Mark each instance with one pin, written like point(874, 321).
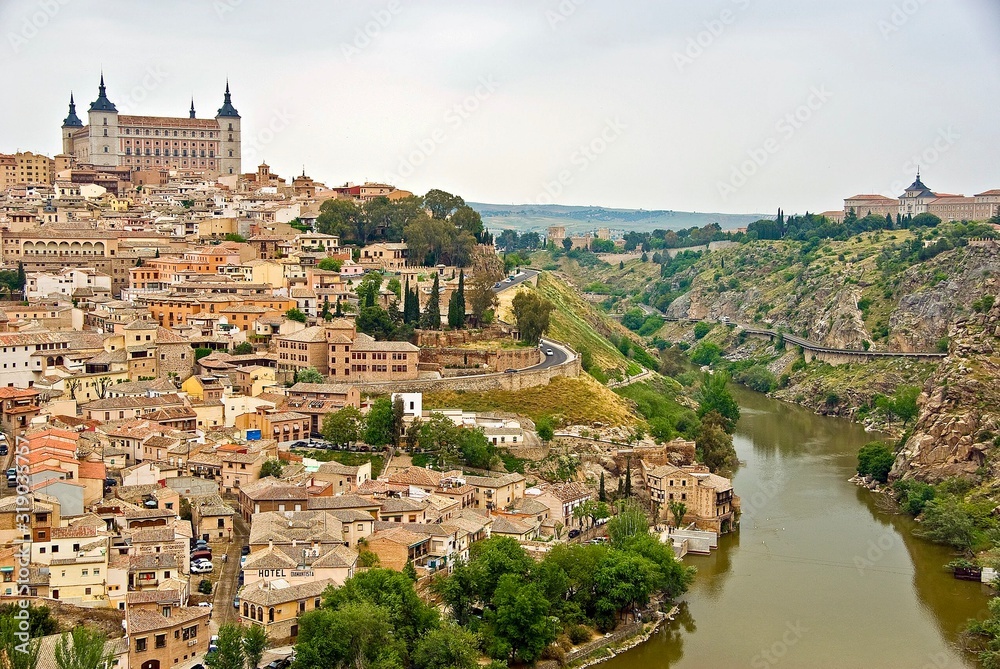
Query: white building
point(68, 282)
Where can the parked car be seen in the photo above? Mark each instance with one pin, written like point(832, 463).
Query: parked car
point(299, 444)
point(201, 567)
point(573, 534)
point(203, 554)
point(12, 472)
point(11, 482)
point(245, 550)
point(243, 561)
point(205, 604)
point(201, 544)
point(510, 371)
point(3, 448)
point(236, 602)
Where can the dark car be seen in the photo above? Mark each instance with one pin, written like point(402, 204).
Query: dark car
point(3, 448)
point(245, 550)
point(299, 444)
point(573, 534)
point(510, 370)
point(202, 554)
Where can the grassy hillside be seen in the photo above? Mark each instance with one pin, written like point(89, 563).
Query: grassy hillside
point(580, 401)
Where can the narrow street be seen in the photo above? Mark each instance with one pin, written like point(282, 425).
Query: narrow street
point(223, 611)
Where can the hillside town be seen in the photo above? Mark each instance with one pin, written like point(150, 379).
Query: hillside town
point(212, 392)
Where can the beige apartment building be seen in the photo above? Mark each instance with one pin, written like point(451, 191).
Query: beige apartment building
point(25, 168)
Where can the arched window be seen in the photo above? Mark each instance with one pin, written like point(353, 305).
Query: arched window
point(270, 615)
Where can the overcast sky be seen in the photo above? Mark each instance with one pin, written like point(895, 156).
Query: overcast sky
point(711, 105)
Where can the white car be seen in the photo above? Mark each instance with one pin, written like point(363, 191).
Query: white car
point(203, 567)
point(548, 351)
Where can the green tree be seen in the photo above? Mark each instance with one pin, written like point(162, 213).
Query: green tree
point(456, 304)
point(330, 264)
point(411, 305)
point(230, 654)
point(357, 635)
point(678, 510)
point(309, 375)
point(567, 244)
point(83, 648)
point(519, 620)
point(254, 643)
point(531, 315)
point(449, 647)
point(715, 446)
point(875, 459)
point(714, 395)
point(201, 352)
point(368, 289)
point(432, 315)
point(233, 237)
point(458, 592)
point(343, 426)
point(630, 521)
point(442, 204)
point(16, 652)
point(701, 329)
point(948, 520)
point(392, 591)
point(398, 413)
point(545, 429)
point(379, 423)
point(706, 353)
point(491, 559)
point(295, 314)
point(602, 494)
point(487, 270)
point(624, 581)
point(271, 468)
point(376, 322)
point(339, 217)
point(243, 348)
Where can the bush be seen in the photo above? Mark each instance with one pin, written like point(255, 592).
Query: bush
point(913, 495)
point(205, 587)
point(701, 329)
point(706, 353)
point(875, 459)
point(757, 378)
point(579, 634)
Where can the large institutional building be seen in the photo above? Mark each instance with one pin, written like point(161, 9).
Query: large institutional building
point(190, 144)
point(919, 199)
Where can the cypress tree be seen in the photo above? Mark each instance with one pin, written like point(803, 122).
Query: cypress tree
point(338, 312)
point(461, 297)
point(432, 317)
point(628, 477)
point(602, 495)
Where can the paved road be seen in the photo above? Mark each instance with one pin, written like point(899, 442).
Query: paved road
point(525, 275)
point(559, 355)
point(223, 611)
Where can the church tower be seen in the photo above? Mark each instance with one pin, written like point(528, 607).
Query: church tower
point(103, 120)
point(230, 158)
point(70, 126)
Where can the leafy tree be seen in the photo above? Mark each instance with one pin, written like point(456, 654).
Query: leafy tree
point(343, 426)
point(309, 375)
point(393, 592)
point(230, 654)
point(243, 348)
point(476, 449)
point(379, 424)
point(458, 592)
point(352, 636)
point(202, 352)
point(330, 264)
point(254, 643)
point(368, 289)
point(624, 581)
point(714, 395)
point(493, 558)
point(376, 322)
point(432, 315)
point(16, 652)
point(701, 329)
point(487, 270)
point(544, 428)
point(410, 571)
point(442, 204)
point(433, 241)
point(567, 244)
point(233, 237)
point(339, 217)
point(875, 459)
point(677, 510)
point(271, 468)
point(449, 647)
point(949, 520)
point(531, 315)
point(630, 521)
point(296, 314)
point(519, 620)
point(706, 353)
point(394, 287)
point(633, 319)
point(83, 648)
point(715, 446)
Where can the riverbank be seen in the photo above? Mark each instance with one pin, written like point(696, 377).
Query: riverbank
point(610, 646)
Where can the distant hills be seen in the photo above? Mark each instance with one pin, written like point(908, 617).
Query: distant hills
point(538, 217)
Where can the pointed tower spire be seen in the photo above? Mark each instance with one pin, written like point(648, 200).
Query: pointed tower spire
point(72, 120)
point(192, 106)
point(102, 103)
point(227, 108)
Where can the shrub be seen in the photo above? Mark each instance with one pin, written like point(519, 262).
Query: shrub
point(701, 329)
point(205, 587)
point(579, 634)
point(757, 378)
point(706, 353)
point(875, 459)
point(942, 345)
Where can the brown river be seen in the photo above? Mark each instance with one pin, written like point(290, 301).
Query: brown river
point(818, 576)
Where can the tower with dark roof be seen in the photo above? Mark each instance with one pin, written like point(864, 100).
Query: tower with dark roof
point(230, 157)
point(103, 121)
point(191, 113)
point(70, 126)
point(914, 200)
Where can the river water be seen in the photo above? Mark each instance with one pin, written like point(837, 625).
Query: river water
point(817, 576)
